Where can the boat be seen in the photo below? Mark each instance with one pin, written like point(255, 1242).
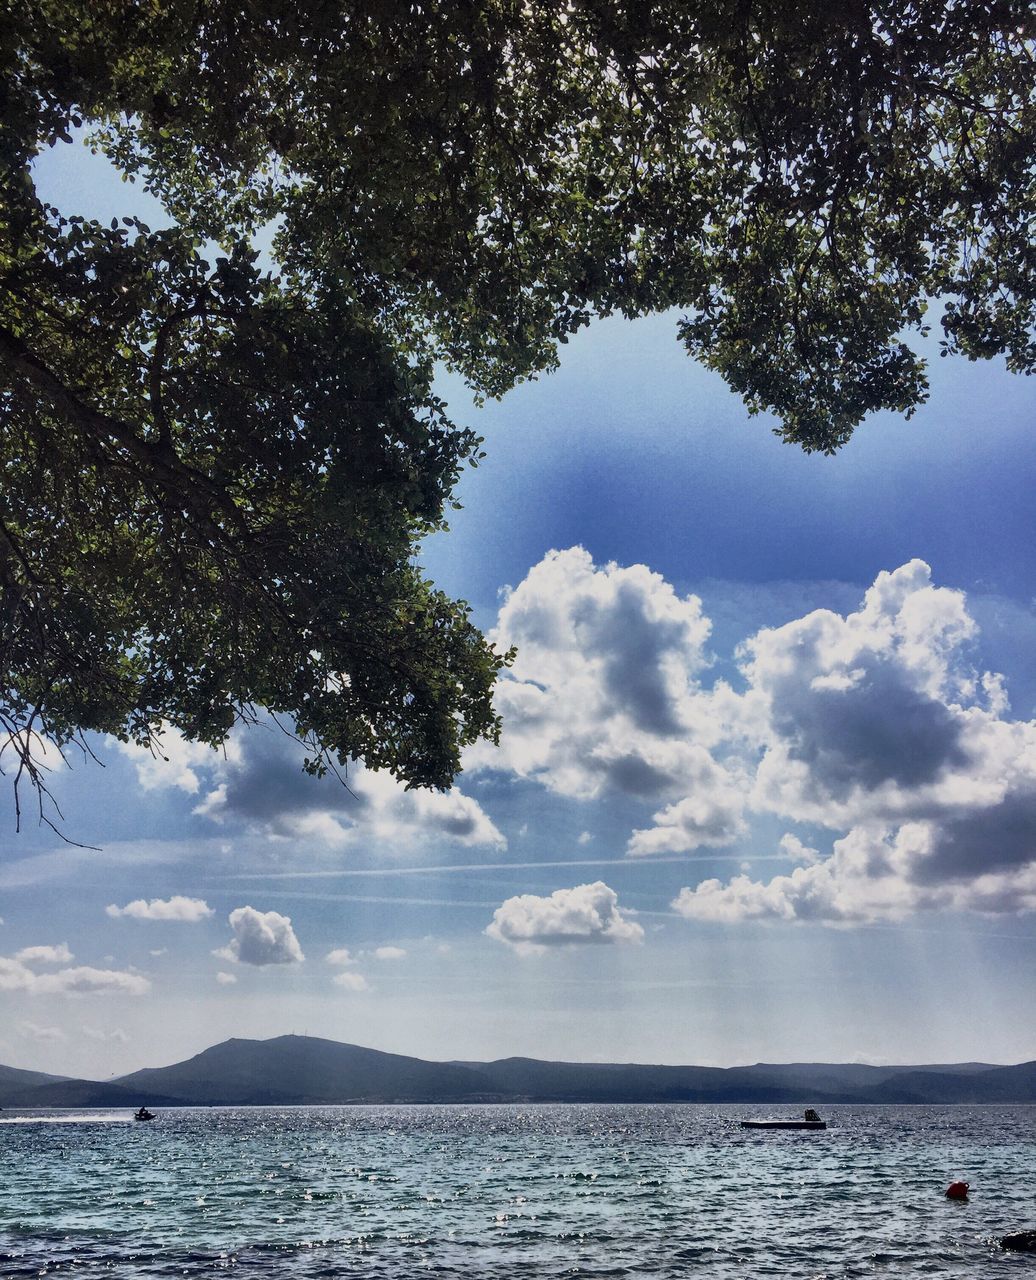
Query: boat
point(143, 1114)
point(809, 1121)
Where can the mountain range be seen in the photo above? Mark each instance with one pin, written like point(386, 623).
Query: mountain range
point(297, 1070)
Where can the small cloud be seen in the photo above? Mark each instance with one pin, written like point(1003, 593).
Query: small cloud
point(226, 979)
point(42, 1035)
point(174, 761)
point(340, 956)
point(187, 910)
point(15, 975)
point(261, 938)
point(44, 955)
point(159, 951)
point(115, 1036)
point(351, 981)
point(793, 847)
point(388, 953)
point(584, 837)
point(587, 913)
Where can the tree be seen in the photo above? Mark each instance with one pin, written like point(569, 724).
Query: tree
point(216, 477)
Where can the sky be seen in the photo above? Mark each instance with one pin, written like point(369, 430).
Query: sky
point(766, 788)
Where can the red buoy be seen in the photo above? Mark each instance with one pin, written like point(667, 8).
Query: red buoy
point(957, 1191)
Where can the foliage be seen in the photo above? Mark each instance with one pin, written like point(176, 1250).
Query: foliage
point(215, 479)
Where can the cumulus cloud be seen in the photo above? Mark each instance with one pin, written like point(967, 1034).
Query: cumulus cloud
point(877, 723)
point(115, 1036)
point(266, 789)
point(603, 695)
point(261, 938)
point(874, 724)
point(351, 981)
point(189, 910)
point(587, 913)
point(174, 762)
point(388, 953)
point(42, 1035)
point(340, 956)
point(877, 713)
point(16, 975)
point(226, 979)
point(59, 954)
point(258, 782)
point(711, 814)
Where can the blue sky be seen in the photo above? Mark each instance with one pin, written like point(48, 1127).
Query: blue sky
point(692, 845)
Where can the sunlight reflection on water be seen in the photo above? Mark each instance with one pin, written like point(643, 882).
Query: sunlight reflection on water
point(386, 1193)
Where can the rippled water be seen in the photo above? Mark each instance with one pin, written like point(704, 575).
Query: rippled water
point(536, 1191)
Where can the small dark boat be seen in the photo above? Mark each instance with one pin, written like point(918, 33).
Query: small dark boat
point(143, 1114)
point(809, 1121)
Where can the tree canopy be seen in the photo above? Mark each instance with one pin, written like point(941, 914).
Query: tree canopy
point(218, 464)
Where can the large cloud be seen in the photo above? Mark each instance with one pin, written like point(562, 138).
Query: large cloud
point(876, 714)
point(588, 913)
point(874, 724)
point(261, 938)
point(175, 762)
point(877, 723)
point(604, 696)
point(259, 783)
point(189, 910)
point(17, 973)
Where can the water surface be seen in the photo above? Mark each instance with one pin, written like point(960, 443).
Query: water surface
point(507, 1191)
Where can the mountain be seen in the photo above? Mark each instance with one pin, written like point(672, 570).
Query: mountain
point(304, 1069)
point(763, 1082)
point(298, 1070)
point(995, 1084)
point(88, 1093)
point(14, 1082)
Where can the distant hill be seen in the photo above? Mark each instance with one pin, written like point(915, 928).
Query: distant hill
point(88, 1093)
point(994, 1084)
point(303, 1069)
point(14, 1081)
point(296, 1070)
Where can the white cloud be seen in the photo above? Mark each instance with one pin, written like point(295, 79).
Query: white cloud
point(189, 910)
point(587, 913)
point(261, 938)
point(226, 979)
point(340, 956)
point(42, 1035)
point(604, 693)
point(388, 953)
point(792, 847)
point(59, 954)
point(351, 981)
point(259, 782)
point(710, 815)
point(584, 837)
point(175, 762)
point(877, 724)
point(80, 980)
point(115, 1036)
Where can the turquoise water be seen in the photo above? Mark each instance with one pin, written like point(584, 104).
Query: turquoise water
point(535, 1191)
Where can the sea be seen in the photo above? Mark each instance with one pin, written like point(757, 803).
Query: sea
point(514, 1191)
